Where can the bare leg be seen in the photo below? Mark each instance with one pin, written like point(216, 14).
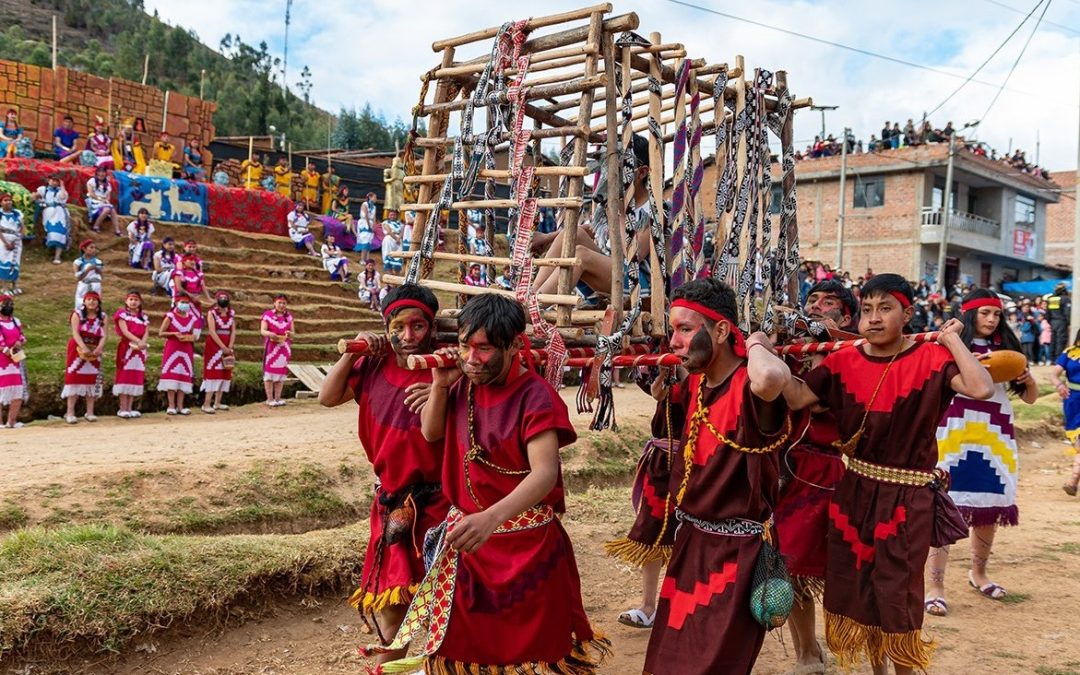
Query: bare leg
point(179, 400)
point(802, 623)
point(71, 401)
point(650, 583)
point(982, 541)
point(1070, 485)
point(268, 387)
point(936, 562)
point(278, 386)
point(13, 412)
point(90, 402)
point(903, 670)
point(171, 396)
point(389, 620)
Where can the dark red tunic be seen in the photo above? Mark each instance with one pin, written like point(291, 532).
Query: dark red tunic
point(703, 622)
point(517, 600)
point(810, 469)
point(402, 458)
point(879, 533)
point(653, 533)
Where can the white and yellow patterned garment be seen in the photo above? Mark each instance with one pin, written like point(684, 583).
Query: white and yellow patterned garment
point(977, 446)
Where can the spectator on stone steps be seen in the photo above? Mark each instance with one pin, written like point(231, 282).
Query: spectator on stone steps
point(55, 220)
point(164, 266)
point(300, 229)
point(64, 138)
point(370, 283)
point(391, 243)
point(140, 234)
point(334, 261)
point(99, 206)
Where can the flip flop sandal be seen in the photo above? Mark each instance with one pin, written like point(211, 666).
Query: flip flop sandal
point(936, 607)
point(1069, 489)
point(635, 618)
point(990, 590)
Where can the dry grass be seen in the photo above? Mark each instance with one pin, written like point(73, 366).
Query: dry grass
point(99, 586)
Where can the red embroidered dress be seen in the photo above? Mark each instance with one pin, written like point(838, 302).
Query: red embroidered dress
point(879, 532)
point(216, 377)
point(402, 459)
point(81, 377)
point(11, 379)
point(513, 606)
point(276, 355)
point(703, 622)
point(130, 362)
point(178, 360)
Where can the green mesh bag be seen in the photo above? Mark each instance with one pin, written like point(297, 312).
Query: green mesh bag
point(773, 595)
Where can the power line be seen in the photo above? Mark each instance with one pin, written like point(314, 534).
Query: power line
point(1017, 61)
point(838, 45)
point(992, 55)
point(1048, 23)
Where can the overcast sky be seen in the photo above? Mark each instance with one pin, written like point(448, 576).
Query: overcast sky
point(374, 51)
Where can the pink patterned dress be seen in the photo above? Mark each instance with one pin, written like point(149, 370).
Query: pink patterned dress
point(216, 377)
point(192, 283)
point(178, 361)
point(11, 379)
point(82, 377)
point(130, 362)
point(276, 355)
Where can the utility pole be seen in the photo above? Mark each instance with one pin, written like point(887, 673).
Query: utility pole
point(823, 109)
point(1074, 314)
point(945, 217)
point(843, 202)
point(285, 55)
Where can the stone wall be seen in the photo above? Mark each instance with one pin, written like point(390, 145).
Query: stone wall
point(43, 96)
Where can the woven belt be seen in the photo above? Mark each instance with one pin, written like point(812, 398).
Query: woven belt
point(891, 474)
point(530, 518)
point(1075, 386)
point(730, 527)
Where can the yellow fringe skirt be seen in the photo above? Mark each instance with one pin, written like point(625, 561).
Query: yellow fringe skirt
point(635, 553)
point(584, 659)
point(850, 641)
point(366, 601)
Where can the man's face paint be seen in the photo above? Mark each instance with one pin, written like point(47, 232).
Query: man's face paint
point(691, 339)
point(410, 332)
point(822, 305)
point(481, 361)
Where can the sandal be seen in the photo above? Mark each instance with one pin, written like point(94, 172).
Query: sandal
point(990, 590)
point(936, 607)
point(635, 618)
point(1069, 489)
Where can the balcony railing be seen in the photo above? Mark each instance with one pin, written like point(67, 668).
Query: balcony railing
point(963, 221)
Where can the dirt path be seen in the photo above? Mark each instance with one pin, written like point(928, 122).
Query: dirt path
point(1038, 562)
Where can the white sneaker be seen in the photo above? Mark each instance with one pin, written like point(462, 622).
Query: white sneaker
point(71, 419)
point(90, 418)
point(185, 411)
point(123, 414)
point(17, 425)
point(134, 413)
point(5, 426)
point(279, 402)
point(170, 411)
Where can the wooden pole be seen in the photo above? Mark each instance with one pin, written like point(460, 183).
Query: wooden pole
point(165, 111)
point(614, 204)
point(145, 68)
point(576, 187)
point(202, 83)
point(658, 297)
point(251, 149)
point(54, 42)
point(532, 24)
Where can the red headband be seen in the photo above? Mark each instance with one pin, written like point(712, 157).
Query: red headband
point(740, 342)
point(981, 302)
point(222, 294)
point(901, 298)
point(407, 302)
point(86, 242)
point(93, 295)
point(131, 295)
point(5, 296)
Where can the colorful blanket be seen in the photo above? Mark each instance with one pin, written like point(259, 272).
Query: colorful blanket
point(167, 200)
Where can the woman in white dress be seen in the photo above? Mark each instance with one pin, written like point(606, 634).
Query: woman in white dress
point(335, 262)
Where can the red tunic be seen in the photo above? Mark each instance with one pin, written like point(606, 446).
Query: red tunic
point(879, 533)
point(215, 375)
point(130, 362)
point(811, 469)
point(703, 622)
point(81, 377)
point(517, 600)
point(402, 458)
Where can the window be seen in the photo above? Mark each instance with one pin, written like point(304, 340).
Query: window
point(869, 192)
point(1025, 211)
point(777, 203)
point(938, 194)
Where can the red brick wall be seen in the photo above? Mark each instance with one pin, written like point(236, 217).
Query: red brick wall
point(1061, 221)
point(43, 96)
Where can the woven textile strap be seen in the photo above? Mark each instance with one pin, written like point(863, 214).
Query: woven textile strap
point(748, 205)
point(731, 527)
point(893, 475)
point(695, 215)
point(431, 606)
point(679, 184)
point(764, 82)
point(787, 242)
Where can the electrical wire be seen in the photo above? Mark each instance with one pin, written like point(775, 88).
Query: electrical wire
point(838, 45)
point(992, 55)
point(1048, 23)
point(1016, 62)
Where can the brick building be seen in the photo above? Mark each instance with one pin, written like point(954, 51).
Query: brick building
point(893, 215)
point(1061, 222)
